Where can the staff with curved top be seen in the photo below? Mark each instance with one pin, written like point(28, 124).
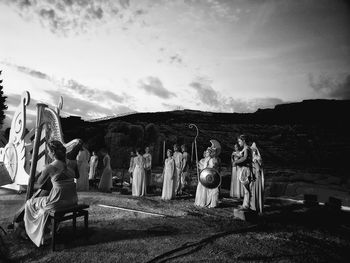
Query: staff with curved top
point(195, 145)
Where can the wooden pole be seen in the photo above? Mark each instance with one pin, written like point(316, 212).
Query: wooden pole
point(38, 129)
point(192, 152)
point(195, 146)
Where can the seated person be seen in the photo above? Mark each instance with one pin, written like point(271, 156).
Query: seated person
point(44, 186)
point(62, 194)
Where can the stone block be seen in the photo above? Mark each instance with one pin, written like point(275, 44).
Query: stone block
point(246, 215)
point(334, 203)
point(310, 200)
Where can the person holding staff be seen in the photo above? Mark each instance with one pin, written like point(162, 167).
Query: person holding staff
point(168, 191)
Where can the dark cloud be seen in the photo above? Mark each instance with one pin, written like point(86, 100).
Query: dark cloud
point(124, 3)
point(87, 108)
point(66, 17)
point(90, 93)
point(29, 71)
point(155, 87)
point(210, 97)
point(206, 93)
point(176, 59)
point(73, 86)
point(331, 87)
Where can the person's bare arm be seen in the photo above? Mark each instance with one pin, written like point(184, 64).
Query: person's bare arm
point(184, 162)
point(243, 158)
point(44, 176)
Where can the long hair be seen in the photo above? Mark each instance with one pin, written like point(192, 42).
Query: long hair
point(243, 137)
point(58, 150)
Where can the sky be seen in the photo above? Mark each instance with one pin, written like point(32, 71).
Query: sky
point(110, 57)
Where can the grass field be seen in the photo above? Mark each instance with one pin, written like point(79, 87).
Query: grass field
point(287, 232)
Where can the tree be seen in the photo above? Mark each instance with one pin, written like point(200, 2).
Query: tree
point(136, 134)
point(3, 105)
point(151, 133)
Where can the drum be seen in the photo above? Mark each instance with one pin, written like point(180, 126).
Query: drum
point(210, 178)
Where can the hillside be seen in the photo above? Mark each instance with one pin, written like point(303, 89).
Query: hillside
point(310, 133)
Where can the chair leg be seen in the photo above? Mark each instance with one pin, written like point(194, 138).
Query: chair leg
point(54, 226)
point(86, 221)
point(74, 222)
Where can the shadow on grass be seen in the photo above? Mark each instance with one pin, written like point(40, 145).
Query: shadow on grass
point(98, 235)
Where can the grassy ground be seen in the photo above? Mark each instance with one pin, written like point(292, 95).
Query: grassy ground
point(285, 233)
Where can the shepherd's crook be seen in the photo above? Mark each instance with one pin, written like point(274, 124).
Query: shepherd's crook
point(195, 146)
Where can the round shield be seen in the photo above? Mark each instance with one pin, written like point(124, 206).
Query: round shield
point(210, 178)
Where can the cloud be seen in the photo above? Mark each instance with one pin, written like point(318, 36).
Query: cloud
point(74, 17)
point(206, 93)
point(86, 108)
point(175, 59)
point(155, 87)
point(250, 105)
point(217, 102)
point(331, 86)
point(13, 100)
point(90, 93)
point(124, 3)
point(72, 86)
point(29, 71)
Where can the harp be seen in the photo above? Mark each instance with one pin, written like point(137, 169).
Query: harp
point(25, 154)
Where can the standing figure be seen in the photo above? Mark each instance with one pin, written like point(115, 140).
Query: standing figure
point(236, 189)
point(106, 184)
point(245, 170)
point(131, 165)
point(213, 162)
point(178, 165)
point(83, 166)
point(63, 194)
point(168, 191)
point(93, 168)
point(257, 187)
point(148, 168)
point(202, 192)
point(185, 166)
point(139, 175)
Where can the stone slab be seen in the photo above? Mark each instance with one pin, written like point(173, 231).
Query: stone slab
point(245, 215)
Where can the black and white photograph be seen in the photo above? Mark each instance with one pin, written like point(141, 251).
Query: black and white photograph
point(174, 131)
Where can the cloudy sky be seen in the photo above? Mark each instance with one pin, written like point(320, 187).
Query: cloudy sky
point(110, 57)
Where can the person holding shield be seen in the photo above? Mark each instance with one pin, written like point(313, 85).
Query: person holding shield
point(207, 194)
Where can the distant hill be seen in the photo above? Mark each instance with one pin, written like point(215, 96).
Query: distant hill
point(312, 132)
